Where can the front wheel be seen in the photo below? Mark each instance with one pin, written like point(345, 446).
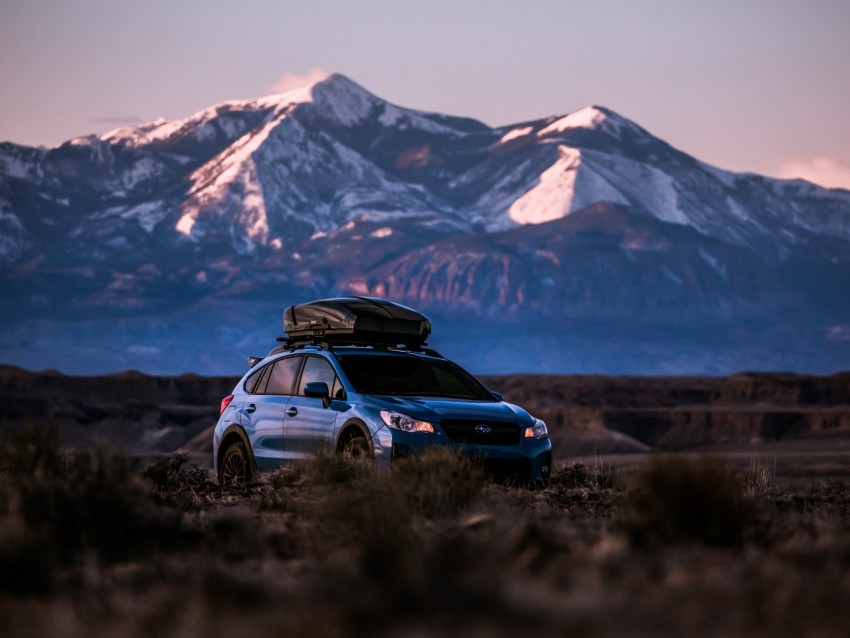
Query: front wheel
point(234, 471)
point(356, 446)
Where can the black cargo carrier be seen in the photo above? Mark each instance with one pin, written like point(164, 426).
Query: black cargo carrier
point(356, 320)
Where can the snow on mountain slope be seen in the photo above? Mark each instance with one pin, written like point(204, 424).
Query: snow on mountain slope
point(566, 186)
point(20, 162)
point(603, 157)
point(340, 102)
point(337, 98)
point(577, 226)
point(147, 215)
point(286, 181)
point(552, 197)
point(264, 173)
point(228, 186)
point(231, 119)
point(567, 176)
point(592, 118)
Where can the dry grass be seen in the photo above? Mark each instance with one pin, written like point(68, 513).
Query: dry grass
point(676, 500)
point(330, 547)
point(60, 509)
point(176, 482)
point(760, 477)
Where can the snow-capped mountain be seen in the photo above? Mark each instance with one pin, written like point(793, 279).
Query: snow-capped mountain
point(584, 223)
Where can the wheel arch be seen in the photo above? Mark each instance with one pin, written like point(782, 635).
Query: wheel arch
point(235, 434)
point(352, 426)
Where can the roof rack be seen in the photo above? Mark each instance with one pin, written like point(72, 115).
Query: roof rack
point(323, 343)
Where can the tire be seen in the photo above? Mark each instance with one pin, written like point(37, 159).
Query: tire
point(356, 446)
point(234, 472)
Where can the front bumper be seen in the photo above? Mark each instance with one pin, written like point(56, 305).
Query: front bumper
point(531, 459)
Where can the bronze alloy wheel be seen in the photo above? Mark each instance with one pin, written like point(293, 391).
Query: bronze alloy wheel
point(357, 447)
point(234, 471)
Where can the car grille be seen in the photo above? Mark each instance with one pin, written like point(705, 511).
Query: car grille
point(463, 431)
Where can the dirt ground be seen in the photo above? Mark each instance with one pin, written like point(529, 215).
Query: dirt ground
point(668, 546)
point(678, 506)
point(791, 462)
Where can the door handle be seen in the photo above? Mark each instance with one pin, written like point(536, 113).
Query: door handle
point(250, 408)
point(292, 411)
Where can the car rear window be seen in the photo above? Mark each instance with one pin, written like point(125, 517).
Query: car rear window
point(277, 377)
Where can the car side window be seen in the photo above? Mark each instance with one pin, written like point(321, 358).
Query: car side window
point(256, 382)
point(318, 369)
point(282, 375)
point(338, 391)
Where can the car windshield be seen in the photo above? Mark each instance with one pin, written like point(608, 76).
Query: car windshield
point(410, 376)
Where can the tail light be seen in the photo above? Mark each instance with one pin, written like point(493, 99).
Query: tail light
point(225, 402)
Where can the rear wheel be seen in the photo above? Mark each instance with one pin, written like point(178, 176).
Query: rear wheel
point(234, 471)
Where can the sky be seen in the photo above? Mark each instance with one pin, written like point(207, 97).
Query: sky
point(746, 85)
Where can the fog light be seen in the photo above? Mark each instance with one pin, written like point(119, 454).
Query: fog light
point(544, 470)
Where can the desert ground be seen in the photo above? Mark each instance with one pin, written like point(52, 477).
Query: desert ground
point(700, 506)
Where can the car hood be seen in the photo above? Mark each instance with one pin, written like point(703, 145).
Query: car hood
point(437, 409)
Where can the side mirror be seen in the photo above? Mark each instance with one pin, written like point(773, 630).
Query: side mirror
point(497, 395)
point(318, 390)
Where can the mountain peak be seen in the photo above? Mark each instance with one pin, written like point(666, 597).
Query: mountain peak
point(325, 83)
point(346, 100)
point(341, 81)
point(593, 117)
point(335, 91)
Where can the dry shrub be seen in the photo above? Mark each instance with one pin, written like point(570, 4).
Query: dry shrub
point(323, 472)
point(823, 498)
point(362, 530)
point(27, 564)
point(571, 475)
point(585, 490)
point(434, 484)
point(375, 537)
point(341, 505)
point(177, 484)
point(372, 521)
point(600, 476)
point(329, 469)
point(676, 500)
point(291, 475)
point(759, 478)
point(439, 482)
point(234, 534)
point(63, 506)
point(32, 451)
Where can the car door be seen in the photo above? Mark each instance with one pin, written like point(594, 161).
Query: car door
point(264, 410)
point(309, 423)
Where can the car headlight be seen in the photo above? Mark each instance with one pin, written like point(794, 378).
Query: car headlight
point(537, 431)
point(405, 423)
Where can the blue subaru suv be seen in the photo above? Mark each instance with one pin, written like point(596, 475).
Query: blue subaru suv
point(353, 377)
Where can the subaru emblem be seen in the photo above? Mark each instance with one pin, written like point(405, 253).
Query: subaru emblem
point(483, 429)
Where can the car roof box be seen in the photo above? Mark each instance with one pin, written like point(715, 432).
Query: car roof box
point(361, 320)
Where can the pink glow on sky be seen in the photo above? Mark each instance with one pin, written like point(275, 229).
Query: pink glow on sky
point(748, 85)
